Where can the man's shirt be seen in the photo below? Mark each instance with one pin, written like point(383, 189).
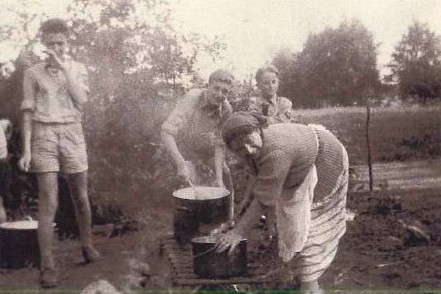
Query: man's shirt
point(195, 122)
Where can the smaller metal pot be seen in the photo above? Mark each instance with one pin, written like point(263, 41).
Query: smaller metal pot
point(19, 244)
point(207, 263)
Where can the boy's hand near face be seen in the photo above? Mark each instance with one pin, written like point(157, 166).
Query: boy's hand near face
point(55, 60)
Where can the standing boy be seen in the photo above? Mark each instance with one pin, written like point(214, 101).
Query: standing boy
point(277, 109)
point(54, 93)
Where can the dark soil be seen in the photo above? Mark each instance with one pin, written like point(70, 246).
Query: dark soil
point(377, 252)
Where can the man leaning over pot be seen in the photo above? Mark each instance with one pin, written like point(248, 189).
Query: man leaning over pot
point(194, 127)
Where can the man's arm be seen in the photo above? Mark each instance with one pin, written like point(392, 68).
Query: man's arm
point(219, 149)
point(178, 119)
point(170, 145)
point(219, 159)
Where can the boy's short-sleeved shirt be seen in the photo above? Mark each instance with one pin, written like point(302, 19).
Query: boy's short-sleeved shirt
point(46, 94)
point(196, 122)
point(279, 108)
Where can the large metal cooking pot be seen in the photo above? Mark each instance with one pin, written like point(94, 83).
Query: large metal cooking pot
point(207, 263)
point(19, 244)
point(198, 205)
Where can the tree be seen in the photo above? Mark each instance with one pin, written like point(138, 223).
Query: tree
point(138, 64)
point(131, 49)
point(416, 62)
point(335, 67)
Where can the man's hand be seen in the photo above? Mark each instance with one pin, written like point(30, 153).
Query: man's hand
point(25, 162)
point(184, 172)
point(219, 183)
point(229, 240)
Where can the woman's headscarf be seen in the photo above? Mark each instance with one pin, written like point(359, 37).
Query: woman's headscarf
point(241, 122)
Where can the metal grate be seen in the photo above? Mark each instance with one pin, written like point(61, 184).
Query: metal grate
point(180, 257)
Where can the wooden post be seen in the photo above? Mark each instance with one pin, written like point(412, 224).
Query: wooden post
point(368, 118)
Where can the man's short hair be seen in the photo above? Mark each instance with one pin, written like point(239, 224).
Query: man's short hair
point(262, 70)
point(54, 26)
point(221, 75)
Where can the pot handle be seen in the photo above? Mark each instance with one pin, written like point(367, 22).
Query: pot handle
point(28, 218)
point(183, 208)
point(205, 252)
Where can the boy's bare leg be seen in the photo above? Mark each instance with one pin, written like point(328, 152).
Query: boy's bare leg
point(47, 206)
point(78, 191)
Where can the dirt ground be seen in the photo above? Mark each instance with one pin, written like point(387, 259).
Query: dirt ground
point(379, 251)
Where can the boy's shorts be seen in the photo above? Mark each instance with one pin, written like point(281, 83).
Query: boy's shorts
point(58, 147)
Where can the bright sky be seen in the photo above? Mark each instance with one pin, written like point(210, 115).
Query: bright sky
point(255, 29)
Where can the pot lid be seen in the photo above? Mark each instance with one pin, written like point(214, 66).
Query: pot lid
point(20, 225)
point(212, 239)
point(201, 193)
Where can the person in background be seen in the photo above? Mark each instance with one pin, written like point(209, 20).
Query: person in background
point(54, 93)
point(302, 179)
point(194, 126)
point(277, 109)
point(5, 134)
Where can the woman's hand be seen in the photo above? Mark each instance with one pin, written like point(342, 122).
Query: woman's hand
point(229, 240)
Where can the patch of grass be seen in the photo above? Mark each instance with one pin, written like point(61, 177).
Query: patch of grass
point(404, 133)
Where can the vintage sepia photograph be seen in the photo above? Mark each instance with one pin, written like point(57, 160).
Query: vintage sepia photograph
point(214, 146)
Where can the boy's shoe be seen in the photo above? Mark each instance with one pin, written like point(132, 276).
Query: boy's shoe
point(48, 278)
point(90, 254)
